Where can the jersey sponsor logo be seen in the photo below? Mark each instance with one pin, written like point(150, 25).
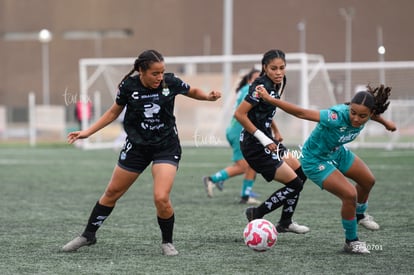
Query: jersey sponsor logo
point(348, 138)
point(146, 126)
point(332, 115)
point(185, 85)
point(135, 95)
point(151, 109)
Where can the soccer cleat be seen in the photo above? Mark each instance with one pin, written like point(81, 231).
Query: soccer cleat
point(253, 194)
point(168, 249)
point(293, 227)
point(220, 185)
point(369, 223)
point(356, 247)
point(208, 185)
point(77, 243)
point(250, 201)
point(250, 214)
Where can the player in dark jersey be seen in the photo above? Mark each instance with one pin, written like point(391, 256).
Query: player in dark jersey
point(264, 153)
point(149, 122)
point(328, 163)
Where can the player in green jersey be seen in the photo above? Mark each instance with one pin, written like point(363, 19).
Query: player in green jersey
point(240, 166)
point(328, 163)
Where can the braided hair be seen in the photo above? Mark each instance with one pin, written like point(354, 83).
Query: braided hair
point(246, 79)
point(143, 62)
point(376, 99)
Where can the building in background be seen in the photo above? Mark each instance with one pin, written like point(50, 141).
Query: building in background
point(107, 28)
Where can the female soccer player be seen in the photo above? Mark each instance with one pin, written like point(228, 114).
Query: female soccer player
point(240, 165)
point(152, 137)
point(265, 154)
point(328, 163)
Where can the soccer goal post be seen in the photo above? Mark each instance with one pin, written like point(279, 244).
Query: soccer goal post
point(311, 83)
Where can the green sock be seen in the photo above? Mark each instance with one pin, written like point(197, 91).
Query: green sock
point(361, 208)
point(350, 227)
point(246, 188)
point(219, 176)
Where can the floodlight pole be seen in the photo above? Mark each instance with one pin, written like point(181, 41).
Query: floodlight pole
point(302, 36)
point(227, 46)
point(381, 52)
point(45, 36)
point(348, 14)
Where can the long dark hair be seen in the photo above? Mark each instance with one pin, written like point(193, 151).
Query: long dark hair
point(246, 79)
point(375, 99)
point(143, 62)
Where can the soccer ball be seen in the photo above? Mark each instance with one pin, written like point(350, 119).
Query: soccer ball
point(260, 235)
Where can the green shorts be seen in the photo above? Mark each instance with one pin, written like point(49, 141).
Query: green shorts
point(233, 138)
point(317, 168)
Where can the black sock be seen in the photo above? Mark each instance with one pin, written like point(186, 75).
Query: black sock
point(300, 174)
point(348, 241)
point(290, 205)
point(278, 198)
point(166, 226)
point(288, 210)
point(360, 216)
point(98, 216)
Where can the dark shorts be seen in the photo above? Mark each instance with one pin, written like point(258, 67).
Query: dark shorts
point(261, 159)
point(136, 158)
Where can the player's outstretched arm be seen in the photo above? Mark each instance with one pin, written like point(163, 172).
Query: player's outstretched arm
point(295, 110)
point(110, 115)
point(388, 124)
point(198, 94)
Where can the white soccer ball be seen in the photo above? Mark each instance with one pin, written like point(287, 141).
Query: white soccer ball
point(260, 235)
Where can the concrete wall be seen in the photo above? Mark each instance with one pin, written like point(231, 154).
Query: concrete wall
point(185, 27)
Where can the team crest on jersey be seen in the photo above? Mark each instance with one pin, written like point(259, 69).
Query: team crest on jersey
point(321, 167)
point(165, 91)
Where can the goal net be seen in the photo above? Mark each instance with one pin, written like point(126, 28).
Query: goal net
point(312, 83)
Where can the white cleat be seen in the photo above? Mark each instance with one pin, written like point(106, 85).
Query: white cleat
point(356, 247)
point(369, 223)
point(208, 185)
point(77, 243)
point(168, 249)
point(294, 228)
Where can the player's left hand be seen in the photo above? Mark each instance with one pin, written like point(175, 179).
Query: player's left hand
point(262, 92)
point(213, 96)
point(390, 126)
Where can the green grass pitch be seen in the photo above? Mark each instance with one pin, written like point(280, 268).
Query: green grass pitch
point(47, 194)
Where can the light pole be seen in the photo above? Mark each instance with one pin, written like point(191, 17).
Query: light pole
point(348, 14)
point(302, 36)
point(381, 52)
point(45, 36)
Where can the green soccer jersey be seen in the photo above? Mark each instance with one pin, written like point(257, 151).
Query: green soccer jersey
point(234, 124)
point(333, 130)
point(149, 117)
